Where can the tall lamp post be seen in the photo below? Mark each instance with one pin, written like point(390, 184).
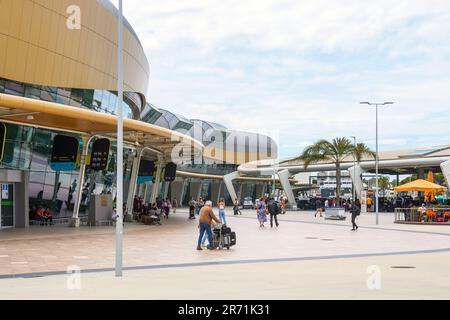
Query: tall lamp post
point(376, 153)
point(273, 184)
point(119, 200)
point(354, 169)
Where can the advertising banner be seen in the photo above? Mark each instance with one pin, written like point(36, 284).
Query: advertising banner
point(363, 201)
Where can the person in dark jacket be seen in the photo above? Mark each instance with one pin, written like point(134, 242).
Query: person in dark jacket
point(318, 208)
point(356, 211)
point(274, 210)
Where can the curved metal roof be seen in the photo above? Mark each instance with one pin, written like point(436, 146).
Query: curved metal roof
point(112, 8)
point(176, 121)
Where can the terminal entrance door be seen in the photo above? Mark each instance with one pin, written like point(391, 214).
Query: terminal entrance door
point(7, 206)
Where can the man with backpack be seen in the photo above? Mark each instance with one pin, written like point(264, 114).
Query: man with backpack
point(274, 209)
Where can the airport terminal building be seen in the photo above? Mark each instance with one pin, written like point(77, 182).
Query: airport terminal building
point(57, 80)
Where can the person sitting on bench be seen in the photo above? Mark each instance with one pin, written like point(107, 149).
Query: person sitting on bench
point(155, 213)
point(44, 216)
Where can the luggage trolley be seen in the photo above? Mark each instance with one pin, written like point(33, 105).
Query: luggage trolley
point(223, 237)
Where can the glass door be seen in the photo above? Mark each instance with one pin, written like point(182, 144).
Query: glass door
point(7, 206)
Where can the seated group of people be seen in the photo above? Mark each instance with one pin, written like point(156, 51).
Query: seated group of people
point(43, 215)
point(426, 213)
point(160, 207)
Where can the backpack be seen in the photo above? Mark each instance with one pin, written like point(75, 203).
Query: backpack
point(274, 208)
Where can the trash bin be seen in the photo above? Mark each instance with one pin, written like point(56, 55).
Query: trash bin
point(335, 213)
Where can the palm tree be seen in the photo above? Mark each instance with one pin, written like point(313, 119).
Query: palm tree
point(383, 183)
point(361, 150)
point(336, 151)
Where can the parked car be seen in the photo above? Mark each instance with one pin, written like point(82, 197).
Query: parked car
point(248, 203)
point(306, 203)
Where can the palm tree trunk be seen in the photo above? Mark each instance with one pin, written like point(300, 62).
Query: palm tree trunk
point(338, 183)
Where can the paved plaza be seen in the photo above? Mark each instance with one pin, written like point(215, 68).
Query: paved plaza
point(305, 258)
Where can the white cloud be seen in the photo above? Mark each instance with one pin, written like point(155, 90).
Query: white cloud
point(302, 66)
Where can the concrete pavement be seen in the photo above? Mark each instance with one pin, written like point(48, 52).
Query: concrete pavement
point(306, 258)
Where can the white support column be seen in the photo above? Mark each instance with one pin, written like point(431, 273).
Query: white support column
point(286, 184)
point(146, 188)
point(356, 176)
point(199, 191)
point(166, 189)
point(219, 192)
point(132, 187)
point(148, 192)
point(241, 186)
point(228, 180)
point(75, 222)
point(183, 193)
point(445, 166)
point(155, 188)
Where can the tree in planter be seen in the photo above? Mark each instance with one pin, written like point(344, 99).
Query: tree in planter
point(335, 151)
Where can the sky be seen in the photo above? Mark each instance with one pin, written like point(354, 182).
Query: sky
point(299, 68)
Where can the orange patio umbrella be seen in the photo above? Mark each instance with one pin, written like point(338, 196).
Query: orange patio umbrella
point(420, 185)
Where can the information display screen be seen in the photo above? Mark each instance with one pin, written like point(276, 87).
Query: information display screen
point(64, 153)
point(146, 171)
point(100, 154)
point(170, 172)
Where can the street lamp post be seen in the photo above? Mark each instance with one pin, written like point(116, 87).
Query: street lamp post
point(376, 154)
point(119, 200)
point(273, 184)
point(354, 169)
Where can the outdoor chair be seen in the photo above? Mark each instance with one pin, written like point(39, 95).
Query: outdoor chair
point(431, 215)
point(447, 216)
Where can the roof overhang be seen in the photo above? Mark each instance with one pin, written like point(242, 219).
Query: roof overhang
point(62, 118)
point(265, 169)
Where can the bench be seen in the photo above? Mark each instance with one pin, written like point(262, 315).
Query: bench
point(54, 221)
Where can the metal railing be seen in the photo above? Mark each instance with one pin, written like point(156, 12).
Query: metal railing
point(413, 214)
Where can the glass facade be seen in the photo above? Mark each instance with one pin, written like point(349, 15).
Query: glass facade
point(177, 122)
point(29, 149)
point(97, 100)
point(151, 114)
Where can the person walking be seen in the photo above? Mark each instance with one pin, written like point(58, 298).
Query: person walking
point(167, 207)
point(198, 206)
point(222, 211)
point(356, 211)
point(261, 213)
point(369, 204)
point(236, 209)
point(274, 210)
point(206, 217)
point(283, 205)
point(174, 205)
point(192, 209)
point(318, 207)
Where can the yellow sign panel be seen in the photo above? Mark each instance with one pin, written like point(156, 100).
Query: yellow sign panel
point(104, 201)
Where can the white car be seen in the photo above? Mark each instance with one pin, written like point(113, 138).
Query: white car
point(247, 203)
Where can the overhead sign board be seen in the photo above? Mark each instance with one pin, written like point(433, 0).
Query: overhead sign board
point(64, 153)
point(146, 171)
point(170, 172)
point(100, 154)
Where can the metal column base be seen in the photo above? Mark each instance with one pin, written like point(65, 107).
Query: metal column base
point(74, 223)
point(291, 207)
